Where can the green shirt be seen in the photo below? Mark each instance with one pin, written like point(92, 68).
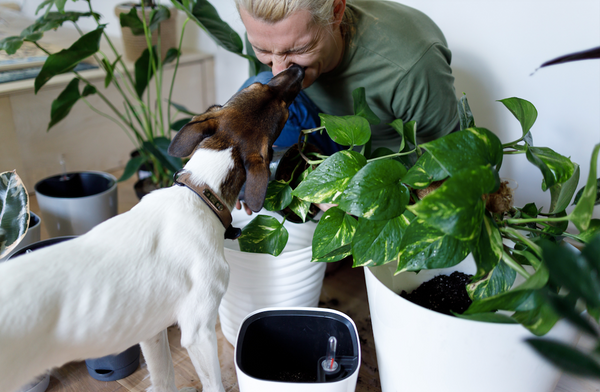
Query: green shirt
point(401, 58)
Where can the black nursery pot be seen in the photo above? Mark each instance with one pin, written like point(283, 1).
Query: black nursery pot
point(287, 346)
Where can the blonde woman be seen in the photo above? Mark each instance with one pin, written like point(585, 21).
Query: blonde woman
point(396, 52)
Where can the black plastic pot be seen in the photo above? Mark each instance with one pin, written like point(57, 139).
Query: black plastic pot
point(72, 185)
point(289, 346)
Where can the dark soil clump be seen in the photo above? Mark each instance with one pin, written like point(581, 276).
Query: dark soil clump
point(444, 294)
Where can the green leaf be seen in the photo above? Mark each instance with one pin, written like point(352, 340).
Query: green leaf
point(555, 168)
point(171, 55)
point(183, 109)
point(346, 130)
point(206, 16)
point(572, 271)
point(177, 125)
point(566, 307)
point(88, 90)
point(538, 321)
point(592, 230)
point(566, 357)
point(457, 207)
point(133, 21)
point(264, 234)
point(464, 114)
point(67, 59)
point(300, 207)
point(524, 297)
point(133, 165)
point(398, 125)
point(157, 16)
point(11, 44)
point(378, 242)
point(562, 193)
point(376, 192)
point(52, 21)
point(63, 104)
point(469, 148)
point(279, 196)
point(489, 317)
point(580, 193)
point(583, 211)
point(158, 147)
point(425, 247)
point(14, 211)
point(335, 230)
point(329, 180)
point(361, 108)
point(425, 171)
point(523, 110)
point(144, 71)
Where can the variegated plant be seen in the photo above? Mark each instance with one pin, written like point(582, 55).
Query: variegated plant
point(433, 213)
point(140, 115)
point(14, 211)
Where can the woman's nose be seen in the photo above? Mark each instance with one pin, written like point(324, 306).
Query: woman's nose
point(280, 63)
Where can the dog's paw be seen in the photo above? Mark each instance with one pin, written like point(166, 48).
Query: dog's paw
point(188, 389)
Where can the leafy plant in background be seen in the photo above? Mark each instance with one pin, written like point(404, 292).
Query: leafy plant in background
point(433, 213)
point(142, 116)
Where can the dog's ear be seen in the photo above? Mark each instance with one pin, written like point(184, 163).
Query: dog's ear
point(257, 181)
point(192, 133)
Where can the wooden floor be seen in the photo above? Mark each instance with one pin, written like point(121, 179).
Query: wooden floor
point(343, 290)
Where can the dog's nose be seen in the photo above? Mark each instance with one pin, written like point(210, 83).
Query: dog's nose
point(289, 81)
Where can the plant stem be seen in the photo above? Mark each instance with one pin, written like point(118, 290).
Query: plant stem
point(517, 221)
point(517, 234)
point(397, 154)
point(514, 265)
point(175, 71)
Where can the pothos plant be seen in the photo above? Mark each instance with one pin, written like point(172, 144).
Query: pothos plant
point(147, 118)
point(432, 213)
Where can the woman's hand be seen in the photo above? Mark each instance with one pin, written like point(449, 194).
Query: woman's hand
point(238, 205)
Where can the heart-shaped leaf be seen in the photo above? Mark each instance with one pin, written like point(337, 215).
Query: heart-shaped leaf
point(376, 192)
point(562, 193)
point(346, 130)
point(425, 247)
point(555, 168)
point(264, 234)
point(456, 207)
point(279, 196)
point(425, 171)
point(334, 231)
point(329, 180)
point(378, 242)
point(523, 110)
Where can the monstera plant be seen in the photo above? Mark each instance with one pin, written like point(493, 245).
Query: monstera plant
point(429, 205)
point(147, 118)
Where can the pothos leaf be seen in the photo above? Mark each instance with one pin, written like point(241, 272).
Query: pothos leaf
point(378, 242)
point(361, 108)
point(346, 130)
point(264, 234)
point(334, 231)
point(523, 110)
point(279, 196)
point(555, 168)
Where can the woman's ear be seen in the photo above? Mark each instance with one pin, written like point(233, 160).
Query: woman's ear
point(339, 7)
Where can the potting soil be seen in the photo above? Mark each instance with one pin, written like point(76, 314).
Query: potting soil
point(444, 294)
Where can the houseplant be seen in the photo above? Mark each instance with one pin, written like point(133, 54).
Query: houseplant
point(14, 211)
point(434, 213)
point(147, 119)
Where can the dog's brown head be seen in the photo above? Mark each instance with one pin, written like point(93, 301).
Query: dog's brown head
point(249, 123)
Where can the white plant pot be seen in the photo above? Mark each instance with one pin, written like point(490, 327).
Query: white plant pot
point(259, 280)
point(33, 235)
point(38, 384)
point(281, 349)
point(75, 206)
point(419, 350)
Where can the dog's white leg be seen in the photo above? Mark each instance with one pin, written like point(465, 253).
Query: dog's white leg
point(201, 345)
point(160, 365)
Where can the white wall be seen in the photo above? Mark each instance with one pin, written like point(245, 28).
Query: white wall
point(497, 45)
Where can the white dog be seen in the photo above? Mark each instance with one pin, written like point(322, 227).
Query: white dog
point(131, 277)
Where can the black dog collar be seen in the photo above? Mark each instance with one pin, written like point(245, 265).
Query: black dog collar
point(210, 197)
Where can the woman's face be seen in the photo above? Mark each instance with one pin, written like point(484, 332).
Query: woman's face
point(295, 40)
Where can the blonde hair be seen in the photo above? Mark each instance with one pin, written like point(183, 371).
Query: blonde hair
point(272, 11)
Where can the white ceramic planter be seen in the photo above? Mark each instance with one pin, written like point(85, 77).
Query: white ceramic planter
point(419, 350)
point(38, 384)
point(281, 349)
point(33, 235)
point(76, 208)
point(259, 281)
